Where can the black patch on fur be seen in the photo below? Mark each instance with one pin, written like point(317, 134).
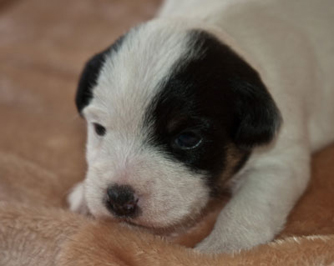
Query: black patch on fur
point(222, 98)
point(90, 74)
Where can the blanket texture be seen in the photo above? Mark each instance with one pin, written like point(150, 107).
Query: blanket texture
point(43, 46)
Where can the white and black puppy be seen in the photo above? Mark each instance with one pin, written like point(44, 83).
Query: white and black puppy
point(210, 93)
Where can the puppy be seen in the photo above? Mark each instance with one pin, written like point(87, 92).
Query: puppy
point(208, 96)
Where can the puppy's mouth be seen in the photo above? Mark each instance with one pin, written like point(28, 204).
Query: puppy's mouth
point(128, 208)
point(137, 219)
point(188, 224)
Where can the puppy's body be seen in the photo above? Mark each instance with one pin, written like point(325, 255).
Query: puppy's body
point(230, 71)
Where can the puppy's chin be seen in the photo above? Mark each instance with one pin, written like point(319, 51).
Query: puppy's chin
point(171, 230)
point(180, 225)
point(160, 224)
point(156, 226)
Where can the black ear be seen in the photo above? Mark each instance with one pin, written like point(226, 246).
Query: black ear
point(90, 74)
point(257, 118)
point(88, 80)
point(233, 88)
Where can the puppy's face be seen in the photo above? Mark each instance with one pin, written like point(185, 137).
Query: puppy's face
point(172, 113)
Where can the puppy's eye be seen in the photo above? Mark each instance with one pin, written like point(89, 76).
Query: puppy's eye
point(188, 140)
point(100, 130)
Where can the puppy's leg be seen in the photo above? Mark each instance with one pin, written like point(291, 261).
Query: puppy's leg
point(261, 203)
point(76, 199)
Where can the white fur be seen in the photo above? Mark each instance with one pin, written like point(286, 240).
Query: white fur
point(291, 44)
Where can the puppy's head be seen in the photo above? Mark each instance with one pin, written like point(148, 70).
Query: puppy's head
point(172, 113)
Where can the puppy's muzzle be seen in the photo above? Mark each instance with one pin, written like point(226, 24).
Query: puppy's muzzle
point(121, 201)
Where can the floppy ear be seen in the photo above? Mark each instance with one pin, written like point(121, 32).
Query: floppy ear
point(237, 90)
point(257, 118)
point(90, 74)
point(88, 80)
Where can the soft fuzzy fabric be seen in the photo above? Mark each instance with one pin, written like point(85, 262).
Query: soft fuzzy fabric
point(43, 236)
point(43, 45)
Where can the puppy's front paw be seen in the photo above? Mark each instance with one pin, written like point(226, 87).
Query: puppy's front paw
point(76, 199)
point(234, 238)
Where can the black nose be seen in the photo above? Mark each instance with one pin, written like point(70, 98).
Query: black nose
point(121, 200)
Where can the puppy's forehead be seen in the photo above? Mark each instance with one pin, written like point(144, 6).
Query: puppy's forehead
point(132, 75)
